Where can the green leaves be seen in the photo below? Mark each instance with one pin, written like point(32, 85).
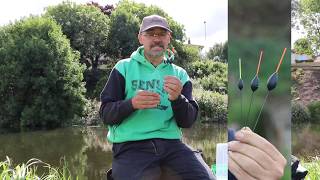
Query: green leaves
point(309, 16)
point(125, 23)
point(86, 27)
point(303, 46)
point(312, 6)
point(123, 37)
point(211, 75)
point(213, 106)
point(219, 52)
point(41, 76)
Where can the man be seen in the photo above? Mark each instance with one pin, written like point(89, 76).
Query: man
point(145, 102)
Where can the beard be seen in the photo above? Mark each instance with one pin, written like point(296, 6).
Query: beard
point(156, 49)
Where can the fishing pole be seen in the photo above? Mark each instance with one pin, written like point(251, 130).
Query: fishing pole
point(254, 85)
point(271, 84)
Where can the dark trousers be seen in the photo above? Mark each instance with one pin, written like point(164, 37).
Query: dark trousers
point(158, 159)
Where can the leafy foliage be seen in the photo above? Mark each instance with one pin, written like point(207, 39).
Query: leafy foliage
point(125, 23)
point(185, 54)
point(309, 17)
point(215, 82)
point(105, 72)
point(202, 68)
point(41, 78)
point(140, 10)
point(211, 75)
point(219, 52)
point(123, 34)
point(107, 9)
point(29, 170)
point(303, 46)
point(86, 27)
point(213, 106)
point(313, 168)
point(300, 113)
point(314, 108)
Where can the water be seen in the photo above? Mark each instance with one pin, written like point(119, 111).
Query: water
point(87, 151)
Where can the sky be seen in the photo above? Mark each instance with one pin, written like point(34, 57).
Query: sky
point(191, 14)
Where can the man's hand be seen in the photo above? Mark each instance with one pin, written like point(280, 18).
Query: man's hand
point(253, 157)
point(173, 87)
point(145, 100)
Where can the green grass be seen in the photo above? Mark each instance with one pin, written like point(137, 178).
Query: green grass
point(28, 171)
point(313, 168)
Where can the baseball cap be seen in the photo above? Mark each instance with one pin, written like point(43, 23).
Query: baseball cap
point(154, 21)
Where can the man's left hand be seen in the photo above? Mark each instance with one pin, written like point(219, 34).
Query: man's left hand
point(253, 157)
point(173, 87)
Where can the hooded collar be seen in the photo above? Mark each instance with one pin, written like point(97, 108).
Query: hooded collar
point(138, 56)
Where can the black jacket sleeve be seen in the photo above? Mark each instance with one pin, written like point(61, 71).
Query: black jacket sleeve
point(185, 108)
point(114, 109)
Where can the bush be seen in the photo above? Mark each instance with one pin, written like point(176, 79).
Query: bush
point(210, 74)
point(185, 54)
point(41, 78)
point(100, 85)
point(213, 106)
point(300, 113)
point(214, 83)
point(314, 108)
point(104, 72)
point(203, 68)
point(96, 81)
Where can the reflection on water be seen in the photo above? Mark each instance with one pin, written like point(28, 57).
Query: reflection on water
point(305, 141)
point(87, 150)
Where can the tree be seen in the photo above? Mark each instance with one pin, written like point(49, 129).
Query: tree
point(295, 7)
point(125, 22)
point(107, 9)
point(185, 54)
point(309, 16)
point(303, 46)
point(41, 77)
point(140, 10)
point(219, 52)
point(123, 34)
point(86, 27)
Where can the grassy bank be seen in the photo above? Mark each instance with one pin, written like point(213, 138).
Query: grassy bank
point(30, 171)
point(313, 168)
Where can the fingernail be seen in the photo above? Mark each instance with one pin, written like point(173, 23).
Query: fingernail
point(246, 128)
point(230, 144)
point(239, 135)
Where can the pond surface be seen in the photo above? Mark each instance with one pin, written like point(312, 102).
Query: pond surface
point(86, 149)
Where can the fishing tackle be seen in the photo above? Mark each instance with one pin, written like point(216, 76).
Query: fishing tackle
point(254, 85)
point(271, 84)
point(240, 86)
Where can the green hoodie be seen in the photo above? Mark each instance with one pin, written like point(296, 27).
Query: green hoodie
point(139, 74)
